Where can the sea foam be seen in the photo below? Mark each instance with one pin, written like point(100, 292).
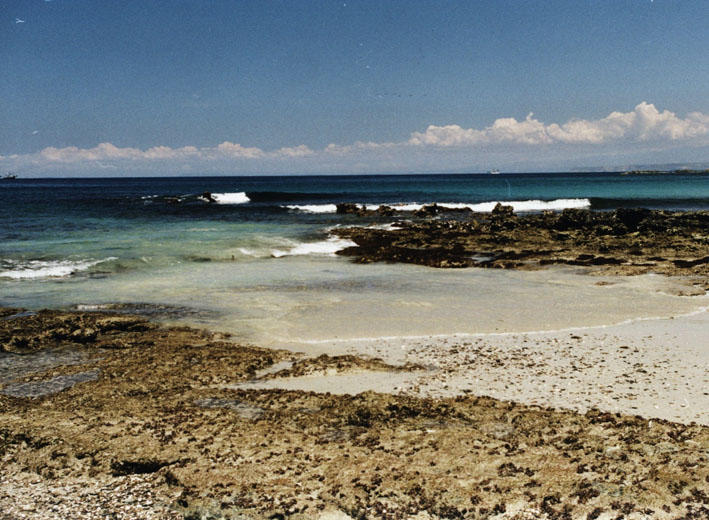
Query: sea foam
point(482, 207)
point(231, 198)
point(533, 205)
point(50, 268)
point(313, 208)
point(323, 247)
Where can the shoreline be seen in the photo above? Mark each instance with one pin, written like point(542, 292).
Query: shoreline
point(167, 429)
point(125, 416)
point(659, 355)
point(466, 335)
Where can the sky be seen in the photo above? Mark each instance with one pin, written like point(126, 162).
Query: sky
point(104, 88)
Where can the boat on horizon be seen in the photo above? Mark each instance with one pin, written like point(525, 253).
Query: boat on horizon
point(494, 171)
point(9, 176)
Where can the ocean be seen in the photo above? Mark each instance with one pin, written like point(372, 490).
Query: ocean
point(259, 262)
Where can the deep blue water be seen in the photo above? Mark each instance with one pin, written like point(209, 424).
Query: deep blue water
point(61, 227)
point(121, 197)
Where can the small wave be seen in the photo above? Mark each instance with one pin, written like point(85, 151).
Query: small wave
point(49, 269)
point(324, 247)
point(533, 205)
point(92, 307)
point(248, 252)
point(288, 196)
point(313, 208)
point(231, 198)
point(482, 207)
point(390, 226)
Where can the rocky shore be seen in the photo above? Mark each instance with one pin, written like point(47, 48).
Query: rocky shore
point(624, 241)
point(106, 415)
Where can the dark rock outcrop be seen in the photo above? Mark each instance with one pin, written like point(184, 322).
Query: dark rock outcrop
point(348, 208)
point(621, 241)
point(32, 332)
point(208, 197)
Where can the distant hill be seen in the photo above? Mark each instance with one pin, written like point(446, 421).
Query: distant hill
point(666, 172)
point(664, 168)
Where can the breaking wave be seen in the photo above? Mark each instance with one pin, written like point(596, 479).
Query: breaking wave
point(231, 198)
point(324, 247)
point(313, 208)
point(47, 268)
point(483, 207)
point(287, 196)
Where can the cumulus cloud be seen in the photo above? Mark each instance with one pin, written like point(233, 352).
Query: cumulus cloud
point(295, 151)
point(235, 150)
point(165, 152)
point(111, 152)
point(645, 123)
point(357, 147)
point(104, 151)
point(643, 129)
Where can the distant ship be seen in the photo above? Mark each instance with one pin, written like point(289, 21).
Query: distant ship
point(9, 177)
point(494, 171)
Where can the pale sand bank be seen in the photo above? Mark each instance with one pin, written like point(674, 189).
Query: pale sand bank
point(652, 367)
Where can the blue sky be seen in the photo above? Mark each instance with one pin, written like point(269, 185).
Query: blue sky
point(135, 87)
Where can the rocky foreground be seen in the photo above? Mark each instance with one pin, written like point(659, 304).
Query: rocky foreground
point(111, 416)
point(624, 241)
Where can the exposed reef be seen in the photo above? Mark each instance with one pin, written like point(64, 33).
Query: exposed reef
point(624, 241)
point(155, 432)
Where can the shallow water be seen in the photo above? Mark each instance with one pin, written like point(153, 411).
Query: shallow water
point(55, 385)
point(252, 265)
point(312, 303)
point(15, 366)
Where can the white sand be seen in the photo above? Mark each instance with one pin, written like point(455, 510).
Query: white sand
point(344, 383)
point(657, 368)
point(654, 368)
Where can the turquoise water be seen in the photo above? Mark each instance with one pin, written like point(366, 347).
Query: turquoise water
point(151, 222)
point(260, 262)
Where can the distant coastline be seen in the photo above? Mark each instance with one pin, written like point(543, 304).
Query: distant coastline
point(666, 172)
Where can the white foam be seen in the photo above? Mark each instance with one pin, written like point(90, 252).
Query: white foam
point(313, 208)
point(482, 207)
point(323, 247)
point(92, 307)
point(534, 205)
point(50, 269)
point(391, 226)
point(231, 198)
point(486, 207)
point(247, 252)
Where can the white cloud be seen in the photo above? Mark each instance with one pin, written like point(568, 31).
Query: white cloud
point(641, 131)
point(103, 151)
point(236, 151)
point(357, 147)
point(295, 151)
point(110, 152)
point(165, 152)
point(645, 123)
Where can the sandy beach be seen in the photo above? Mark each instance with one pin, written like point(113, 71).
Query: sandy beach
point(355, 260)
point(657, 368)
point(130, 419)
point(520, 389)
